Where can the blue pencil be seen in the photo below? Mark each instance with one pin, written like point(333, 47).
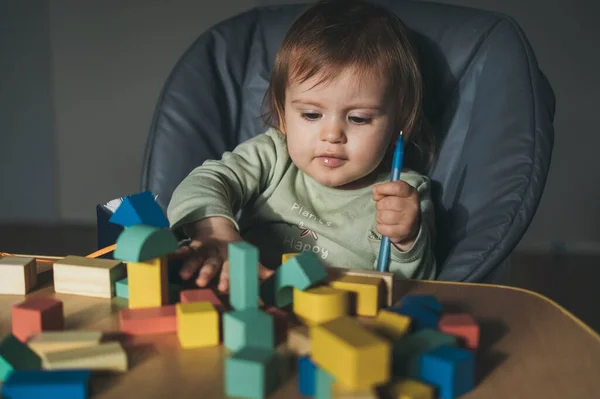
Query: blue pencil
point(384, 247)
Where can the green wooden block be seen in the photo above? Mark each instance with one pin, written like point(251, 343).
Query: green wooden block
point(323, 384)
point(407, 349)
point(140, 242)
point(301, 272)
point(243, 275)
point(251, 373)
point(249, 327)
point(15, 355)
point(122, 289)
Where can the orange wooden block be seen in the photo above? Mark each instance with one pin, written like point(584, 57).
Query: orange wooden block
point(202, 295)
point(35, 315)
point(146, 321)
point(461, 325)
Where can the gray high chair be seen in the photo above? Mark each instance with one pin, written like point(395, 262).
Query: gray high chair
point(485, 97)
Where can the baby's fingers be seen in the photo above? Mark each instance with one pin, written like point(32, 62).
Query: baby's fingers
point(264, 272)
point(224, 279)
point(190, 265)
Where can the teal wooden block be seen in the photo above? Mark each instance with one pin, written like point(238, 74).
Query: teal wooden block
point(451, 370)
point(324, 384)
point(250, 327)
point(251, 373)
point(122, 289)
point(407, 350)
point(141, 242)
point(140, 208)
point(15, 355)
point(47, 384)
point(243, 275)
point(301, 272)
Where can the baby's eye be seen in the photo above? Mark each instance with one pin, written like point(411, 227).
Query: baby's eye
point(360, 121)
point(311, 116)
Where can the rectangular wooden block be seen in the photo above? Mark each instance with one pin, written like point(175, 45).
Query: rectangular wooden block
point(37, 314)
point(148, 283)
point(388, 279)
point(202, 295)
point(63, 384)
point(93, 277)
point(146, 321)
point(54, 341)
point(243, 272)
point(18, 275)
point(197, 324)
point(108, 356)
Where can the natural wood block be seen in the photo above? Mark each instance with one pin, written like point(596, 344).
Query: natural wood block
point(243, 275)
point(463, 326)
point(148, 283)
point(367, 291)
point(147, 321)
point(251, 373)
point(298, 340)
point(356, 357)
point(18, 275)
point(109, 356)
point(35, 315)
point(93, 277)
point(15, 355)
point(388, 280)
point(139, 243)
point(55, 341)
point(202, 295)
point(32, 384)
point(320, 304)
point(197, 324)
point(408, 388)
point(391, 325)
point(249, 327)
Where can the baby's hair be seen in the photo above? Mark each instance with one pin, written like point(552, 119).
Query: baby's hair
point(335, 34)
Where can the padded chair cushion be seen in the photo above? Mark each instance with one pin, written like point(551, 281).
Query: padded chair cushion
point(485, 96)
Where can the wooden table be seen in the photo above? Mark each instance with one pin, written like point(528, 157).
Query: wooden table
point(530, 347)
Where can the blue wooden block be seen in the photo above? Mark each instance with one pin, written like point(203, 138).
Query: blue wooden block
point(250, 327)
point(243, 275)
point(407, 350)
point(140, 208)
point(251, 373)
point(422, 317)
point(122, 289)
point(426, 301)
point(323, 384)
point(307, 373)
point(106, 233)
point(55, 384)
point(450, 369)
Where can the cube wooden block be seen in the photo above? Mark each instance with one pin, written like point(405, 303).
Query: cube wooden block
point(35, 315)
point(148, 321)
point(323, 384)
point(422, 317)
point(251, 373)
point(449, 369)
point(197, 324)
point(31, 384)
point(202, 295)
point(122, 288)
point(243, 272)
point(15, 355)
point(109, 356)
point(368, 292)
point(55, 341)
point(334, 273)
point(463, 326)
point(93, 277)
point(250, 327)
point(408, 388)
point(320, 304)
point(148, 283)
point(406, 350)
point(18, 275)
point(426, 301)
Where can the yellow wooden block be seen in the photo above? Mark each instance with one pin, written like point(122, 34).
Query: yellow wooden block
point(340, 391)
point(55, 341)
point(391, 324)
point(79, 275)
point(298, 340)
point(197, 324)
point(367, 293)
point(356, 357)
point(148, 283)
point(286, 257)
point(387, 277)
point(18, 275)
point(109, 356)
point(412, 389)
point(320, 304)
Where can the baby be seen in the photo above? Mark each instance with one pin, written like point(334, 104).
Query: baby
point(344, 83)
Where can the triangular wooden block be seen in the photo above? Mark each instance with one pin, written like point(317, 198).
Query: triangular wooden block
point(140, 208)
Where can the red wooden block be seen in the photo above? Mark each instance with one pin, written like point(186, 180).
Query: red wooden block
point(281, 322)
point(461, 325)
point(147, 321)
point(35, 315)
point(200, 295)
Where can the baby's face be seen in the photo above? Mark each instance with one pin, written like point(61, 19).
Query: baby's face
point(338, 132)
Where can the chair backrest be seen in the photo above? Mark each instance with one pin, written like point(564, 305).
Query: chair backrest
point(485, 96)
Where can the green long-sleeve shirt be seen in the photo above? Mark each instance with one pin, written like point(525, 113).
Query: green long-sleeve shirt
point(284, 210)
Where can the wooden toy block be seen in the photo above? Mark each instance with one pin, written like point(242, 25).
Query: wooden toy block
point(301, 272)
point(333, 273)
point(406, 350)
point(286, 257)
point(463, 326)
point(280, 321)
point(356, 357)
point(320, 304)
point(31, 384)
point(298, 340)
point(19, 275)
point(93, 277)
point(141, 242)
point(307, 372)
point(422, 317)
point(250, 327)
point(408, 388)
point(202, 295)
point(427, 301)
point(35, 315)
point(148, 321)
point(197, 324)
point(54, 341)
point(148, 283)
point(109, 356)
point(122, 288)
point(392, 325)
point(367, 293)
point(251, 373)
point(243, 272)
point(15, 355)
point(341, 392)
point(450, 369)
point(323, 384)
point(139, 208)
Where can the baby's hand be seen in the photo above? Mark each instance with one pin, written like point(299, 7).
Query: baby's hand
point(398, 212)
